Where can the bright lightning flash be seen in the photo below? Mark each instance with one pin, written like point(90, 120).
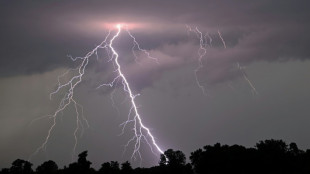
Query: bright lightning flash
point(141, 132)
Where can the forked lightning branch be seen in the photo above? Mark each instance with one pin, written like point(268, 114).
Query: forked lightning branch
point(140, 131)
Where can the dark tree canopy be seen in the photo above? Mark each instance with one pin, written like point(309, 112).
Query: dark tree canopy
point(82, 166)
point(48, 167)
point(110, 167)
point(126, 167)
point(174, 158)
point(21, 166)
point(272, 146)
point(174, 162)
point(267, 157)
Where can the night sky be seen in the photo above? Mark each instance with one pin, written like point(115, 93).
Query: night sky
point(269, 39)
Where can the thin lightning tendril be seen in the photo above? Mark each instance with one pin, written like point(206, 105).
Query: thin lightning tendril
point(203, 44)
point(241, 69)
point(253, 89)
point(141, 132)
point(201, 53)
point(222, 39)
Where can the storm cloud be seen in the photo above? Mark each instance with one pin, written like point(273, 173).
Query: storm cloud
point(44, 33)
point(269, 39)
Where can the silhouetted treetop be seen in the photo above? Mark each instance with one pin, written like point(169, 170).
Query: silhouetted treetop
point(267, 157)
point(126, 168)
point(110, 167)
point(82, 166)
point(175, 158)
point(48, 167)
point(21, 166)
point(272, 146)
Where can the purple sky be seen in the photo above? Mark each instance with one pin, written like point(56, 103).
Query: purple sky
point(269, 39)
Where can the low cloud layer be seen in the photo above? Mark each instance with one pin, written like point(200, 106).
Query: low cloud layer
point(45, 33)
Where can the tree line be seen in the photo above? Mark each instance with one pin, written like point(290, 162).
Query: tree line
point(267, 157)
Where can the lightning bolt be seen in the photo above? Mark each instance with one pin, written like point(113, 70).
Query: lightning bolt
point(222, 39)
point(253, 89)
point(241, 69)
point(201, 53)
point(141, 132)
point(202, 50)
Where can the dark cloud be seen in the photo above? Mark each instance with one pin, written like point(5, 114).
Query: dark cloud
point(37, 36)
point(45, 32)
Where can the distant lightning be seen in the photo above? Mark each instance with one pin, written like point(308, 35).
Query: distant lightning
point(136, 44)
point(241, 69)
point(141, 132)
point(222, 39)
point(253, 89)
point(202, 50)
point(201, 53)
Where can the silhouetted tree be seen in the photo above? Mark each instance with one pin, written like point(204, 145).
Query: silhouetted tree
point(272, 146)
point(222, 159)
point(305, 161)
point(82, 166)
point(110, 167)
point(5, 171)
point(126, 168)
point(293, 149)
point(173, 162)
point(48, 167)
point(273, 156)
point(21, 167)
point(83, 162)
point(198, 160)
point(105, 168)
point(174, 158)
point(268, 157)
